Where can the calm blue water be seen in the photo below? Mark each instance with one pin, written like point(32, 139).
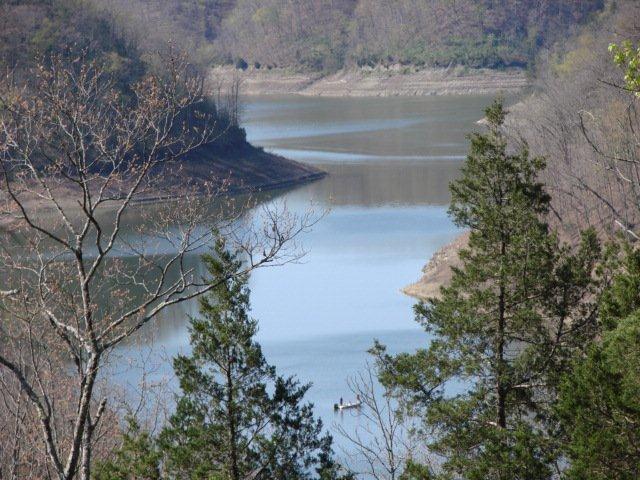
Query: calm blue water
point(389, 162)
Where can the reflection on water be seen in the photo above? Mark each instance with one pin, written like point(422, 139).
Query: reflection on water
point(377, 151)
point(395, 126)
point(389, 162)
point(376, 184)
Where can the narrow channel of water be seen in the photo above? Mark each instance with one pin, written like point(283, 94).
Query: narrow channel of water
point(389, 162)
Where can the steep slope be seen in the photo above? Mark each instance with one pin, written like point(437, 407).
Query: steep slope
point(32, 29)
point(326, 35)
point(585, 124)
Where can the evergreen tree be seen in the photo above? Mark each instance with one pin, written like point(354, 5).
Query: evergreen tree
point(501, 326)
point(599, 404)
point(227, 425)
point(600, 407)
point(621, 298)
point(138, 458)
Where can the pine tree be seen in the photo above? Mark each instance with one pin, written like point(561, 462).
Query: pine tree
point(600, 407)
point(500, 328)
point(599, 404)
point(138, 458)
point(621, 298)
point(227, 424)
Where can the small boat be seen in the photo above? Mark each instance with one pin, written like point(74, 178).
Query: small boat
point(345, 406)
point(348, 405)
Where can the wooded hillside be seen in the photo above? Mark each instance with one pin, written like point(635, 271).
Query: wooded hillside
point(83, 34)
point(325, 35)
point(32, 29)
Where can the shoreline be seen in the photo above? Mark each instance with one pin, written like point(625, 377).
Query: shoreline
point(251, 170)
point(391, 81)
point(437, 271)
point(241, 190)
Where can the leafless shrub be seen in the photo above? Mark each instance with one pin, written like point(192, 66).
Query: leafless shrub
point(587, 128)
point(90, 255)
point(381, 440)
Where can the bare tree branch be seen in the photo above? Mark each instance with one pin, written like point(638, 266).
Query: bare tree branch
point(92, 264)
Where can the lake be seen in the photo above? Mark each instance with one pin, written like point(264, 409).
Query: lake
point(389, 162)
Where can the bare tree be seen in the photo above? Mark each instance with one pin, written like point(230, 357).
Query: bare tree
point(381, 439)
point(22, 451)
point(587, 127)
point(88, 264)
point(618, 159)
point(226, 92)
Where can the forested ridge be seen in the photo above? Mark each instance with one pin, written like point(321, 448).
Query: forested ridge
point(32, 29)
point(320, 35)
point(79, 34)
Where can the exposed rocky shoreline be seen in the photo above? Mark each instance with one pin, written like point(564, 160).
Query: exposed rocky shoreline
point(372, 82)
point(246, 170)
point(437, 272)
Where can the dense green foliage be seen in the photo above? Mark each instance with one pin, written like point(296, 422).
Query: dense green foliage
point(599, 403)
point(227, 424)
point(137, 458)
point(534, 366)
point(599, 397)
point(501, 327)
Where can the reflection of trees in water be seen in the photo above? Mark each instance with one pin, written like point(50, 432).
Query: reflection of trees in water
point(145, 242)
point(371, 184)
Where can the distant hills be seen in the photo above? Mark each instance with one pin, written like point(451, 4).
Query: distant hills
point(326, 35)
point(304, 35)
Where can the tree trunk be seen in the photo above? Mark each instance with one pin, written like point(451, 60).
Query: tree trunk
point(500, 386)
point(85, 469)
point(500, 381)
point(233, 441)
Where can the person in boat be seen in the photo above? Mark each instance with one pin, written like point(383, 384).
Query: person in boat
point(340, 401)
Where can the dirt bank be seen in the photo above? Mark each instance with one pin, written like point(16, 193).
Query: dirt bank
point(245, 170)
point(249, 169)
point(372, 82)
point(438, 271)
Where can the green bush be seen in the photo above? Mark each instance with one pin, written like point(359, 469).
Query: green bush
point(241, 64)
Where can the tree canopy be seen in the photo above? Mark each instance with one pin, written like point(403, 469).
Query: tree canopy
point(501, 327)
